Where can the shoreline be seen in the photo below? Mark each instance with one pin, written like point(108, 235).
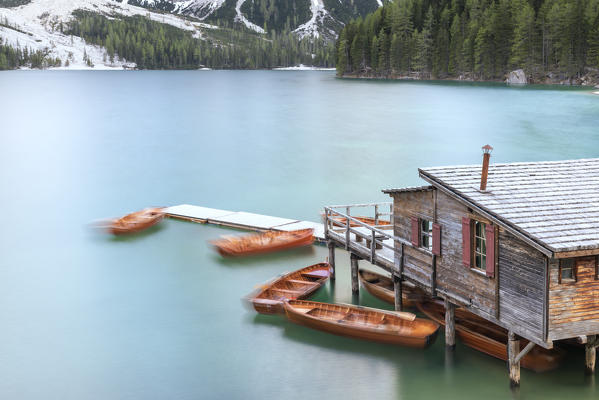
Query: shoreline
point(590, 85)
point(105, 67)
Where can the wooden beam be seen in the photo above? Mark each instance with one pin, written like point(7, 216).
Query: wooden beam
point(398, 293)
point(355, 286)
point(373, 247)
point(525, 351)
point(434, 258)
point(576, 253)
point(513, 348)
point(546, 277)
point(449, 324)
point(590, 355)
point(331, 246)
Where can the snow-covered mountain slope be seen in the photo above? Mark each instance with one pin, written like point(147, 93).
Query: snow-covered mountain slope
point(318, 22)
point(36, 26)
point(198, 8)
point(317, 18)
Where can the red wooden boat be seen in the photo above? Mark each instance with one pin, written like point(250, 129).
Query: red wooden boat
point(341, 221)
point(262, 242)
point(135, 222)
point(363, 323)
point(382, 287)
point(484, 336)
point(298, 284)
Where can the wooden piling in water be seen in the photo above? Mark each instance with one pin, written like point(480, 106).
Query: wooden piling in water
point(398, 295)
point(331, 247)
point(590, 353)
point(354, 273)
point(513, 348)
point(449, 324)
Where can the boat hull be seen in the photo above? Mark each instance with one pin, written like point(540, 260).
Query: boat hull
point(136, 222)
point(358, 331)
point(341, 222)
point(299, 284)
point(381, 287)
point(295, 239)
point(488, 338)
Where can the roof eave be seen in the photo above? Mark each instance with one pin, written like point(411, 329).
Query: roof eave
point(408, 189)
point(513, 229)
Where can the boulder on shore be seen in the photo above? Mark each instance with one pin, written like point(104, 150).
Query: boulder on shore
point(517, 77)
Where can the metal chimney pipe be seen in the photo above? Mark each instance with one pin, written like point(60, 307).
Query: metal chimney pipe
point(485, 172)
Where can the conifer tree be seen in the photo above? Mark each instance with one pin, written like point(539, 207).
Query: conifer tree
point(524, 41)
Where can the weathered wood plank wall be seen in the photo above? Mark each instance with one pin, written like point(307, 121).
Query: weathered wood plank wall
point(452, 275)
point(417, 264)
point(521, 284)
point(574, 306)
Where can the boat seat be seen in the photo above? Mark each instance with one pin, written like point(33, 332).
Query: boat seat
point(315, 274)
point(285, 291)
point(364, 319)
point(300, 281)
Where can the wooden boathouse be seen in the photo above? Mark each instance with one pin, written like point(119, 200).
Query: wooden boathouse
point(516, 244)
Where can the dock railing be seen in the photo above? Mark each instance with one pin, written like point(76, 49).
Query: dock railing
point(344, 220)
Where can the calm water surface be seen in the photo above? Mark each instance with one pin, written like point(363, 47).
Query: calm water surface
point(159, 315)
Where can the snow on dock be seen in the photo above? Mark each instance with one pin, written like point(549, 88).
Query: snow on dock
point(242, 220)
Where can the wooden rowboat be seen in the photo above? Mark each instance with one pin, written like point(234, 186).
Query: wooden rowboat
point(341, 221)
point(363, 323)
point(135, 222)
point(484, 336)
point(263, 242)
point(382, 287)
point(294, 285)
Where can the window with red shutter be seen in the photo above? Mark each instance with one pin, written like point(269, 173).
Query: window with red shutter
point(426, 234)
point(437, 239)
point(414, 238)
point(490, 248)
point(466, 250)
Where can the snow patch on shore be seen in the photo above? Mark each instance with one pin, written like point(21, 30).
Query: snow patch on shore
point(303, 67)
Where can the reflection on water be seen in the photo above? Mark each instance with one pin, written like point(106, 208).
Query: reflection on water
point(159, 315)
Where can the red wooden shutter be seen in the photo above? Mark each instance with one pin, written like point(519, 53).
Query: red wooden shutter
point(490, 239)
point(466, 241)
point(437, 239)
point(415, 239)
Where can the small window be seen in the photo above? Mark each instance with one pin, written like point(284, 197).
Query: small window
point(480, 246)
point(426, 234)
point(567, 270)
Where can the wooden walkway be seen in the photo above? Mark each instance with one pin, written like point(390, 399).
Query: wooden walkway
point(242, 220)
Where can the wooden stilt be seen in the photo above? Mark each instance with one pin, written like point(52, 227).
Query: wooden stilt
point(398, 294)
point(354, 273)
point(331, 247)
point(449, 324)
point(513, 348)
point(590, 353)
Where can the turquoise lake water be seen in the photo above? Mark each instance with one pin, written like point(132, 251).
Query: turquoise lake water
point(159, 315)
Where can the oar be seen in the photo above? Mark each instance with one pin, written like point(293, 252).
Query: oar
point(401, 314)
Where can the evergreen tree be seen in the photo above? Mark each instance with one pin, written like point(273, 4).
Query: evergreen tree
point(524, 41)
point(342, 54)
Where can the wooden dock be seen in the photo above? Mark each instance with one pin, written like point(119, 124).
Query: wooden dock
point(242, 220)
